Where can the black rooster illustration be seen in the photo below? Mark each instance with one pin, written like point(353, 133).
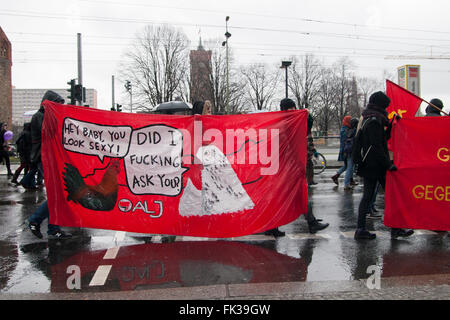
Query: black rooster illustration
point(101, 197)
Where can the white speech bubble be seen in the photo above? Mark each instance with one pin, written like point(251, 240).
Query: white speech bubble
point(154, 163)
point(95, 139)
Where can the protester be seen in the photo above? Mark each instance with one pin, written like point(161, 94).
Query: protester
point(23, 144)
point(432, 111)
point(202, 107)
point(347, 134)
point(4, 155)
point(311, 151)
point(314, 224)
point(376, 160)
point(42, 212)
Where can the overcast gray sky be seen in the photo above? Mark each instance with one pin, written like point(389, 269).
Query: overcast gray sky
point(43, 36)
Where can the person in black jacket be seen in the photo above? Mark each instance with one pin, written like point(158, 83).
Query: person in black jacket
point(314, 224)
point(376, 130)
point(24, 150)
point(42, 212)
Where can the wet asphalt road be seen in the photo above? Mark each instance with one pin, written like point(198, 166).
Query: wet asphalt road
point(116, 261)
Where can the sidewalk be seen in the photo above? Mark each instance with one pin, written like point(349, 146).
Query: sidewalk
point(427, 287)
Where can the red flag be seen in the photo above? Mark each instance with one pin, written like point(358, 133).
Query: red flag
point(213, 176)
point(403, 102)
point(418, 194)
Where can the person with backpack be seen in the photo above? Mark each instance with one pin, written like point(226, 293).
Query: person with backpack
point(371, 155)
point(348, 131)
point(24, 150)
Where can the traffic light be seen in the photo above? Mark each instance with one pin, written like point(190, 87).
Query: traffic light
point(71, 97)
point(79, 92)
point(128, 85)
point(119, 107)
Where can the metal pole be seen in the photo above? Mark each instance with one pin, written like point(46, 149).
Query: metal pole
point(113, 99)
point(228, 71)
point(286, 82)
point(80, 67)
point(131, 98)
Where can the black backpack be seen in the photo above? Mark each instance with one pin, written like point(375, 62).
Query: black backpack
point(20, 144)
point(357, 153)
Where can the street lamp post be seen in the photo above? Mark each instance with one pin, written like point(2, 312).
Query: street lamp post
point(225, 43)
point(285, 65)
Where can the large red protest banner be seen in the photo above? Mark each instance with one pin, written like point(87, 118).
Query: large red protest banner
point(418, 194)
point(210, 176)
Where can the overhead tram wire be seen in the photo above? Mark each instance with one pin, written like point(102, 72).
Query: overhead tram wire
point(307, 33)
point(267, 16)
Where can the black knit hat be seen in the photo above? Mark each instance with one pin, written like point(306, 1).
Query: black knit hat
point(286, 104)
point(380, 99)
point(436, 102)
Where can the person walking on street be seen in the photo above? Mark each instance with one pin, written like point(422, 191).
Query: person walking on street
point(4, 155)
point(348, 131)
point(314, 224)
point(375, 161)
point(23, 144)
point(42, 212)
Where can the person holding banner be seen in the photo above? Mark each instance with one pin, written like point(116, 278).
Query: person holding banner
point(375, 160)
point(314, 224)
point(432, 111)
point(42, 212)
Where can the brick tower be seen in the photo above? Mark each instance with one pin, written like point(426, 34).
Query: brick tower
point(201, 88)
point(5, 80)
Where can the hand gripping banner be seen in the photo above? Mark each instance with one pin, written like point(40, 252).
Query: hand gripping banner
point(418, 194)
point(209, 176)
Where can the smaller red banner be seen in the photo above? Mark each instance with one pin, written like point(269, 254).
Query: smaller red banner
point(418, 194)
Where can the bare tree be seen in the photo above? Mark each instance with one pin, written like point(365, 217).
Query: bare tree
point(261, 85)
point(342, 69)
point(367, 87)
point(304, 77)
point(325, 103)
point(157, 66)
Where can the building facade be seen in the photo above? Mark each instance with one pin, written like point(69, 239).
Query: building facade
point(201, 88)
point(27, 101)
point(5, 79)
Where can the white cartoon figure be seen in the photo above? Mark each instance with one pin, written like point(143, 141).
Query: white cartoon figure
point(222, 191)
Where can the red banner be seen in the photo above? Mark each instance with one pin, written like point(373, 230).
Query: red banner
point(418, 194)
point(210, 176)
point(184, 264)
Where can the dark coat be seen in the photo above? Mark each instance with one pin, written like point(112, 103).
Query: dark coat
point(374, 135)
point(36, 126)
point(24, 144)
point(432, 112)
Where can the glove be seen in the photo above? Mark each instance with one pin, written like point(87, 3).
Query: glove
point(392, 168)
point(316, 154)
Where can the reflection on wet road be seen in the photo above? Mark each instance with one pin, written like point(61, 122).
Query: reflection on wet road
point(103, 260)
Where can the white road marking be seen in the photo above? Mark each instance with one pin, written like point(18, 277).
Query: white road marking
point(111, 253)
point(100, 275)
point(299, 236)
point(119, 236)
point(102, 272)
